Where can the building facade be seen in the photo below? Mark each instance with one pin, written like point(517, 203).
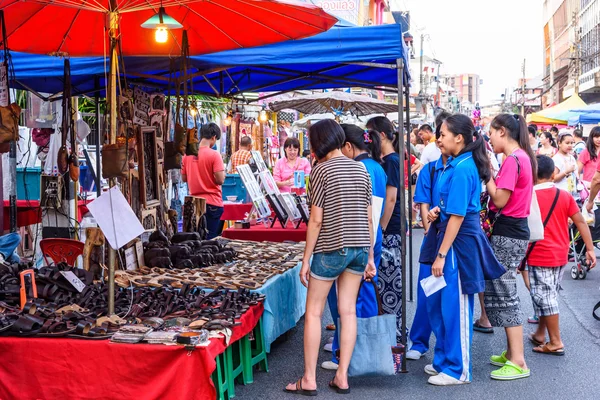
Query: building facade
point(589, 24)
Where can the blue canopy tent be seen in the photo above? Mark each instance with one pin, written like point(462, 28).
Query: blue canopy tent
point(585, 119)
point(344, 56)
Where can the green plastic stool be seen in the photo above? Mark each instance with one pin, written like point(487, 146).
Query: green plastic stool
point(258, 352)
point(220, 377)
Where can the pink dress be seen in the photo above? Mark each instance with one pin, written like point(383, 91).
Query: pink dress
point(283, 172)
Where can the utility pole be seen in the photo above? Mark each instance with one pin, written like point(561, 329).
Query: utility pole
point(523, 91)
point(575, 67)
point(421, 84)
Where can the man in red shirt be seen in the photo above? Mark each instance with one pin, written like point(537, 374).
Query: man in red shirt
point(548, 257)
point(205, 174)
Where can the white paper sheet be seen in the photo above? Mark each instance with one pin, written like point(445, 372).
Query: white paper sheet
point(115, 217)
point(431, 284)
point(376, 207)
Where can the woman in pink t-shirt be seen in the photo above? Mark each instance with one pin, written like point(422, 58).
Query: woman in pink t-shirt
point(588, 158)
point(510, 201)
point(292, 162)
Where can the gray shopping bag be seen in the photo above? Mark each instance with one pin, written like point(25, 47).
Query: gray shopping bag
point(375, 337)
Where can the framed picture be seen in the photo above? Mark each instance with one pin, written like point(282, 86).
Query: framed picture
point(290, 206)
point(268, 182)
point(280, 211)
point(249, 181)
point(149, 220)
point(157, 103)
point(148, 166)
point(156, 121)
point(260, 163)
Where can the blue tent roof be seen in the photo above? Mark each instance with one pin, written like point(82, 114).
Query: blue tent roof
point(585, 119)
point(319, 62)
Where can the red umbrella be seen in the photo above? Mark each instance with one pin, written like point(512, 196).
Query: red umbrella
point(77, 27)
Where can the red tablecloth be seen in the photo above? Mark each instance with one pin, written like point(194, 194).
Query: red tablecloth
point(260, 233)
point(235, 212)
point(28, 213)
point(43, 368)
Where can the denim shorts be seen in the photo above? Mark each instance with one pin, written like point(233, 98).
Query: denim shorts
point(328, 266)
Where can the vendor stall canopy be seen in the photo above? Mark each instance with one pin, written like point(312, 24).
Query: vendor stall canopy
point(342, 57)
point(79, 28)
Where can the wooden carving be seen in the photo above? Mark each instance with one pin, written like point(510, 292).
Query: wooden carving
point(148, 169)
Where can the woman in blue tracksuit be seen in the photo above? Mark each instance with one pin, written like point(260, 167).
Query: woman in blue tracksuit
point(365, 147)
point(420, 330)
point(458, 250)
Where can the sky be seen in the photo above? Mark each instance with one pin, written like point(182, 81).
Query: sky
point(486, 37)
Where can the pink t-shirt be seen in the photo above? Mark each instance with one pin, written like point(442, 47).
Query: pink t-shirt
point(589, 166)
point(200, 173)
point(282, 171)
point(519, 180)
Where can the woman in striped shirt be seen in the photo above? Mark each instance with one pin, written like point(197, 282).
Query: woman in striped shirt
point(339, 239)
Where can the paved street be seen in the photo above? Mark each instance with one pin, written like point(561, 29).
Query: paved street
point(573, 376)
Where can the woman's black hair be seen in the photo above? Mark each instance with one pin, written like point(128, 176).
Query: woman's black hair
point(369, 141)
point(325, 136)
point(384, 125)
point(531, 130)
point(545, 167)
point(550, 138)
point(439, 120)
point(591, 148)
point(517, 129)
point(291, 142)
point(459, 124)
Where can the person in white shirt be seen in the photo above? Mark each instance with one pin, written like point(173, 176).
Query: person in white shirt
point(431, 152)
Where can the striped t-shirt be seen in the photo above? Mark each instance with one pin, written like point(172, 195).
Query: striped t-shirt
point(342, 188)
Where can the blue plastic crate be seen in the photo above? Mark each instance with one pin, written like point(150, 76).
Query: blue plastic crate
point(233, 186)
point(28, 183)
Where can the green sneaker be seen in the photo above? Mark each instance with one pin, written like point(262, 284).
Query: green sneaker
point(509, 372)
point(500, 360)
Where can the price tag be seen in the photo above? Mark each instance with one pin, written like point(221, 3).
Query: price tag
point(73, 280)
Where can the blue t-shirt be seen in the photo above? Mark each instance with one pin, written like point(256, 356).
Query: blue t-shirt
point(426, 182)
point(391, 166)
point(461, 178)
point(378, 182)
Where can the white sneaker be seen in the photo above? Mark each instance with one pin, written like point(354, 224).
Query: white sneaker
point(328, 347)
point(429, 370)
point(445, 380)
point(330, 340)
point(330, 365)
point(413, 355)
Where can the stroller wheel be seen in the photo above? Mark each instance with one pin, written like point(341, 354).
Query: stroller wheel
point(574, 272)
point(583, 272)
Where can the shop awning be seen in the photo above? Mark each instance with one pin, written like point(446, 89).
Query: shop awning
point(344, 56)
point(559, 114)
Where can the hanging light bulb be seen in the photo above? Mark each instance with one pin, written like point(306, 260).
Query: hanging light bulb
point(193, 111)
point(227, 121)
point(161, 35)
point(263, 114)
point(161, 22)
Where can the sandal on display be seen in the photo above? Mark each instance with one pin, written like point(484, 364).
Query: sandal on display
point(300, 391)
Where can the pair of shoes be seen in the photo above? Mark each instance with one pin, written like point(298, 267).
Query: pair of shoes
point(509, 372)
point(533, 320)
point(500, 360)
point(329, 365)
point(328, 347)
point(445, 380)
point(429, 370)
point(413, 355)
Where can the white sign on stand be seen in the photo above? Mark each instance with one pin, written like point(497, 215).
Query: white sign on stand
point(258, 200)
point(115, 217)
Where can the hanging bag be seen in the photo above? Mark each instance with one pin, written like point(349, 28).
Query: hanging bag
point(9, 123)
point(376, 351)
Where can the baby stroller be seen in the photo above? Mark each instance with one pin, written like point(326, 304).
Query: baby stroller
point(577, 248)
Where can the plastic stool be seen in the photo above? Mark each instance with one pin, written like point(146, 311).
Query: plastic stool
point(257, 348)
point(240, 362)
point(220, 377)
point(61, 250)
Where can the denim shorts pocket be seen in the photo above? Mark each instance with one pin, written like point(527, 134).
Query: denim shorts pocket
point(329, 264)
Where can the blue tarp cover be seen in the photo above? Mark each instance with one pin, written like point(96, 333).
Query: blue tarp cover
point(318, 62)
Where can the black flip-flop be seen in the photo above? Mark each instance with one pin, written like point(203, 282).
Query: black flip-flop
point(338, 389)
point(301, 391)
point(483, 329)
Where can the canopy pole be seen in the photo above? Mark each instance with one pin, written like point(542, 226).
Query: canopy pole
point(112, 255)
point(400, 70)
point(410, 212)
point(98, 136)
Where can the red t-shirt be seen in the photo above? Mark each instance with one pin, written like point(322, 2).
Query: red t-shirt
point(553, 251)
point(200, 175)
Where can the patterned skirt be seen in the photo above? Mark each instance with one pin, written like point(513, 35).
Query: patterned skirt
point(501, 300)
point(389, 280)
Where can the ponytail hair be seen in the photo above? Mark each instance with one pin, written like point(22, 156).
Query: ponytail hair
point(369, 140)
point(518, 131)
point(459, 124)
point(385, 126)
point(550, 138)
